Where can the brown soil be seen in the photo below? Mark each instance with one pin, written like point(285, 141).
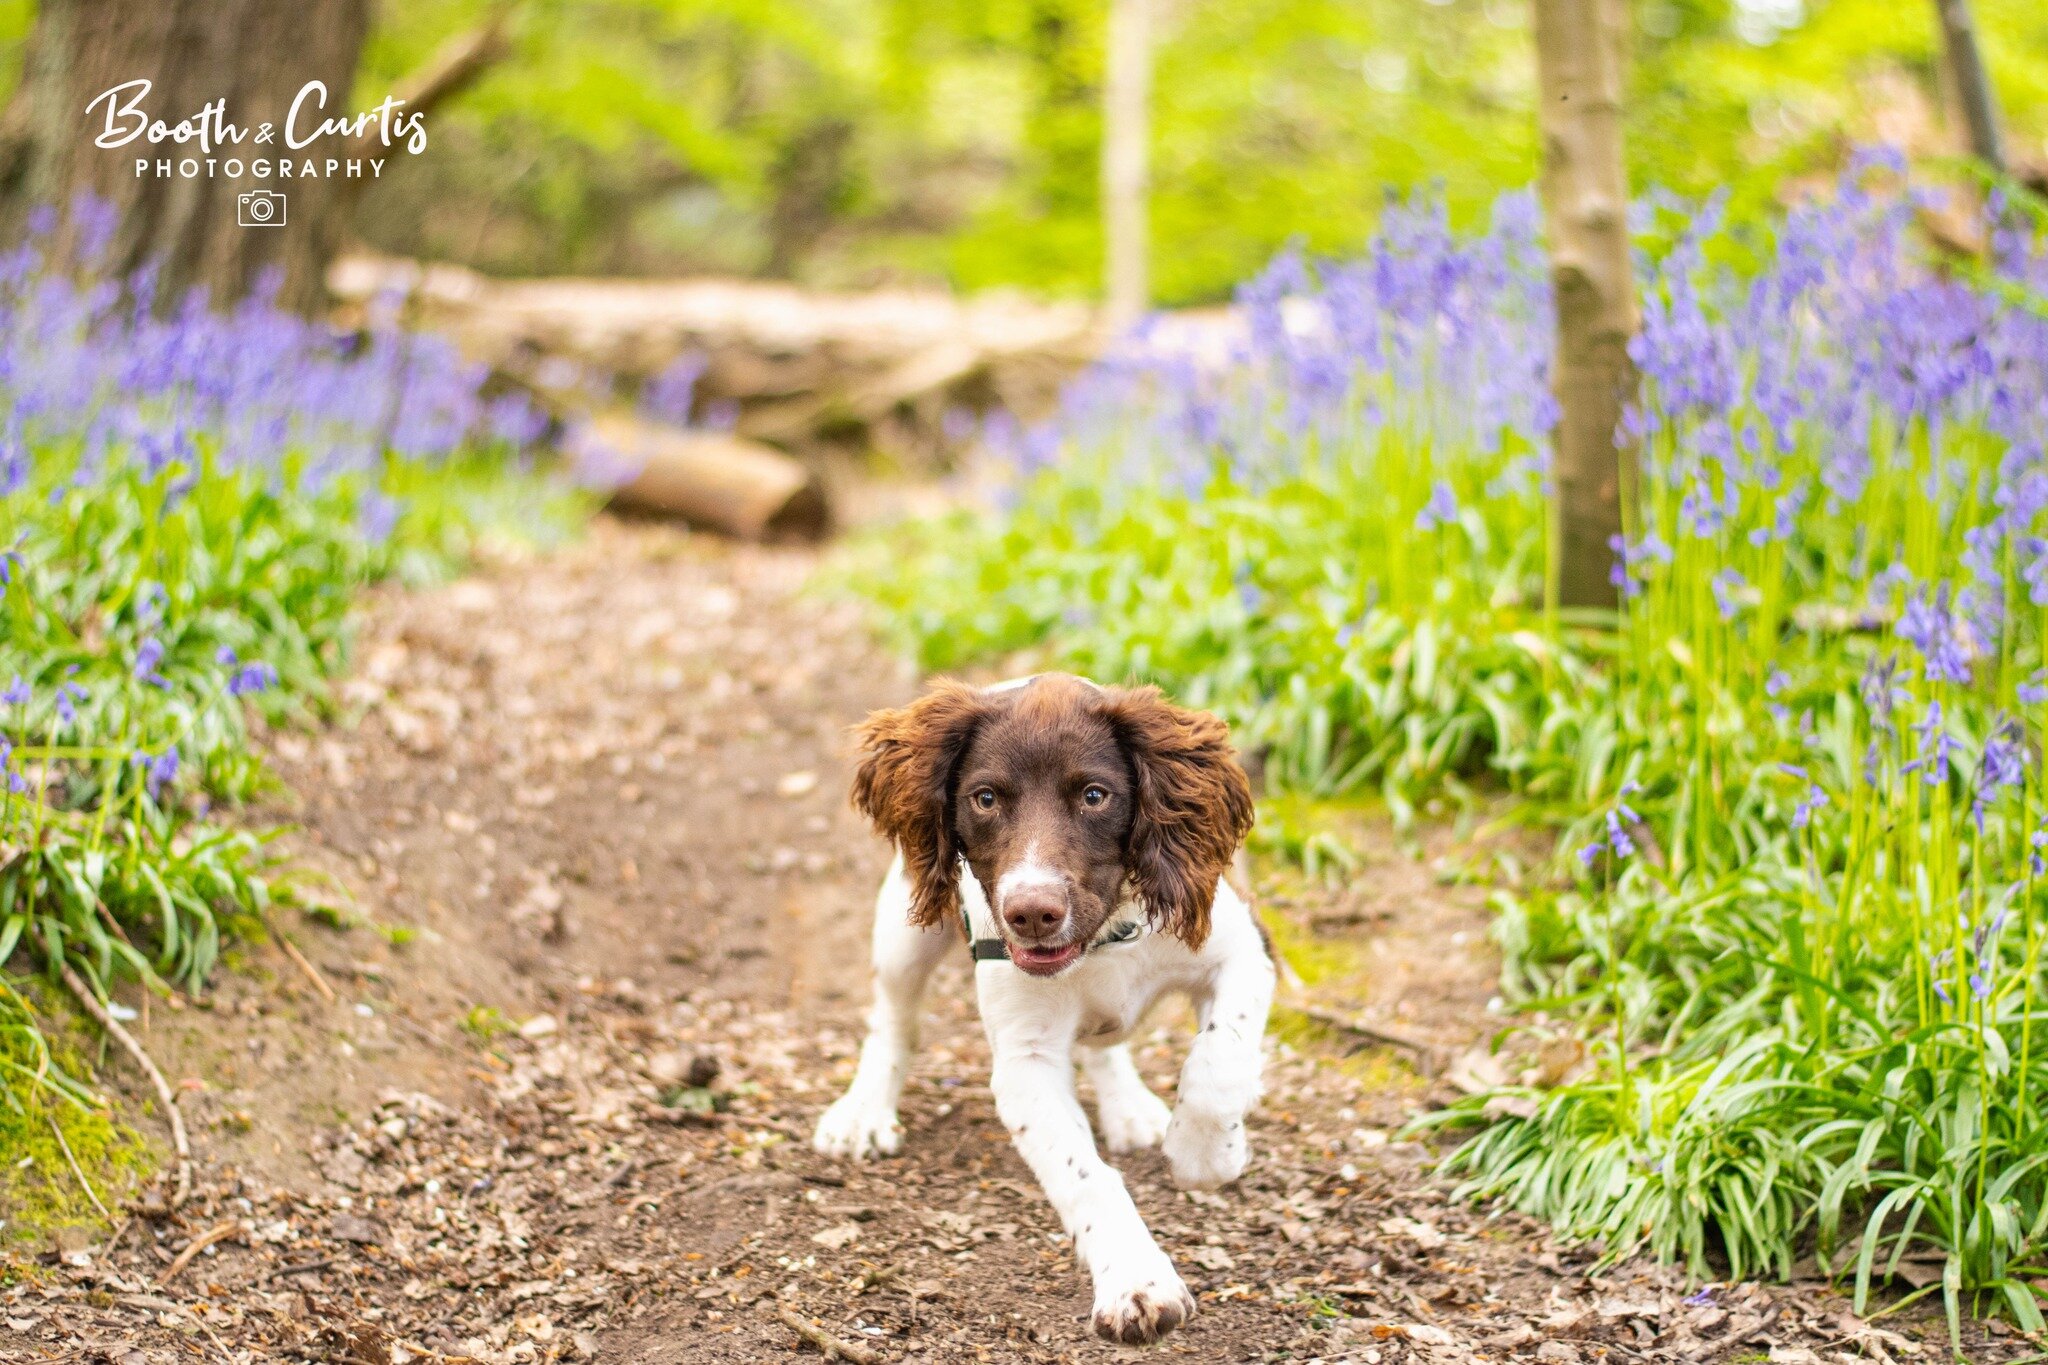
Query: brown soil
point(564, 1115)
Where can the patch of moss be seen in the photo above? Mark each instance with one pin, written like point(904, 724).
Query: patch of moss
point(1318, 838)
point(45, 1108)
point(1373, 1068)
point(1317, 961)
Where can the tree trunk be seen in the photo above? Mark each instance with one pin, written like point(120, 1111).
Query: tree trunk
point(1579, 56)
point(1126, 97)
point(1972, 85)
point(254, 54)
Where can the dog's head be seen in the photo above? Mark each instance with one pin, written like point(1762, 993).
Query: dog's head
point(1061, 796)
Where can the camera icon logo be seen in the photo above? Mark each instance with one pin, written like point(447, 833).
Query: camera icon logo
point(260, 208)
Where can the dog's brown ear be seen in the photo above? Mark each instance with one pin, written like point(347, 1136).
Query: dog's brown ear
point(1194, 806)
point(904, 784)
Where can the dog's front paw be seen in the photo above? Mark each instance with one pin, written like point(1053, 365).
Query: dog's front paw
point(858, 1126)
point(1204, 1153)
point(1132, 1119)
point(1139, 1309)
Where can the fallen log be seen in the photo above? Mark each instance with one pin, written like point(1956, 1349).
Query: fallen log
point(709, 479)
point(800, 369)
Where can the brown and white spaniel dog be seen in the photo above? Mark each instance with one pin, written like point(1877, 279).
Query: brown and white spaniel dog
point(1081, 835)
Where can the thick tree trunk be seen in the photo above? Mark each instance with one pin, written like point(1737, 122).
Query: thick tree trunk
point(1579, 56)
point(256, 55)
point(1972, 85)
point(1126, 100)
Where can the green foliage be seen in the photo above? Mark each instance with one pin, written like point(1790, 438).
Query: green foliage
point(115, 863)
point(960, 141)
point(955, 141)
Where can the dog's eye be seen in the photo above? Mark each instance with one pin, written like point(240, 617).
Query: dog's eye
point(984, 799)
point(1094, 795)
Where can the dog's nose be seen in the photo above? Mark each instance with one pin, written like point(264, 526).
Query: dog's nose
point(1034, 912)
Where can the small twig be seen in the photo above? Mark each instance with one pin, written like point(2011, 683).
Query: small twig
point(83, 1183)
point(623, 1174)
point(214, 1337)
point(291, 950)
point(1429, 1059)
point(773, 1125)
point(875, 1279)
point(1344, 1023)
point(304, 1268)
point(831, 1345)
point(88, 1002)
point(218, 1232)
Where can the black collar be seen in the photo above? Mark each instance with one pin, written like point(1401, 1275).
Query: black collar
point(994, 949)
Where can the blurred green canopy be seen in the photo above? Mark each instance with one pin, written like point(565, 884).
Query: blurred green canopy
point(850, 142)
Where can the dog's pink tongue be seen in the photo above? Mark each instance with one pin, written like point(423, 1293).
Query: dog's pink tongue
point(1043, 957)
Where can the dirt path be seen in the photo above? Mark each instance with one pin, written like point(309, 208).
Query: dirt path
point(557, 1108)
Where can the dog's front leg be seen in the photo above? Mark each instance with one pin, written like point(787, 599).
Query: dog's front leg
point(1138, 1296)
point(1220, 1081)
point(862, 1122)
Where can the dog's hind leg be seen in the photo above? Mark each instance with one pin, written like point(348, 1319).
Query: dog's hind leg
point(1128, 1115)
point(862, 1122)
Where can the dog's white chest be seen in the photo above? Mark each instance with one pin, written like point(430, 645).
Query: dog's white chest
point(1117, 991)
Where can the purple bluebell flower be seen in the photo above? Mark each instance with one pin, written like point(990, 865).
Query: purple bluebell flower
point(377, 517)
point(670, 394)
point(1929, 627)
point(147, 656)
point(254, 677)
point(1880, 691)
point(1440, 510)
point(1627, 812)
point(68, 696)
point(1776, 685)
point(1728, 586)
point(17, 693)
point(1618, 840)
point(1802, 814)
point(1999, 768)
point(158, 770)
point(1931, 760)
point(1937, 968)
point(1629, 561)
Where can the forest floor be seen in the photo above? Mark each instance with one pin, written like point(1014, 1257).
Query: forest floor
point(587, 812)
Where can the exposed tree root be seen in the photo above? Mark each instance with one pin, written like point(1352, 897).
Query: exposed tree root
point(90, 1003)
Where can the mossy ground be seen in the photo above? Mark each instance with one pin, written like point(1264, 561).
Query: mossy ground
point(48, 1104)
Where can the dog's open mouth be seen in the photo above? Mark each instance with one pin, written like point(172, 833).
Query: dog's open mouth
point(1045, 961)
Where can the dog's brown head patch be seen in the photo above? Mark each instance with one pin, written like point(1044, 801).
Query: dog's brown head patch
point(1062, 797)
